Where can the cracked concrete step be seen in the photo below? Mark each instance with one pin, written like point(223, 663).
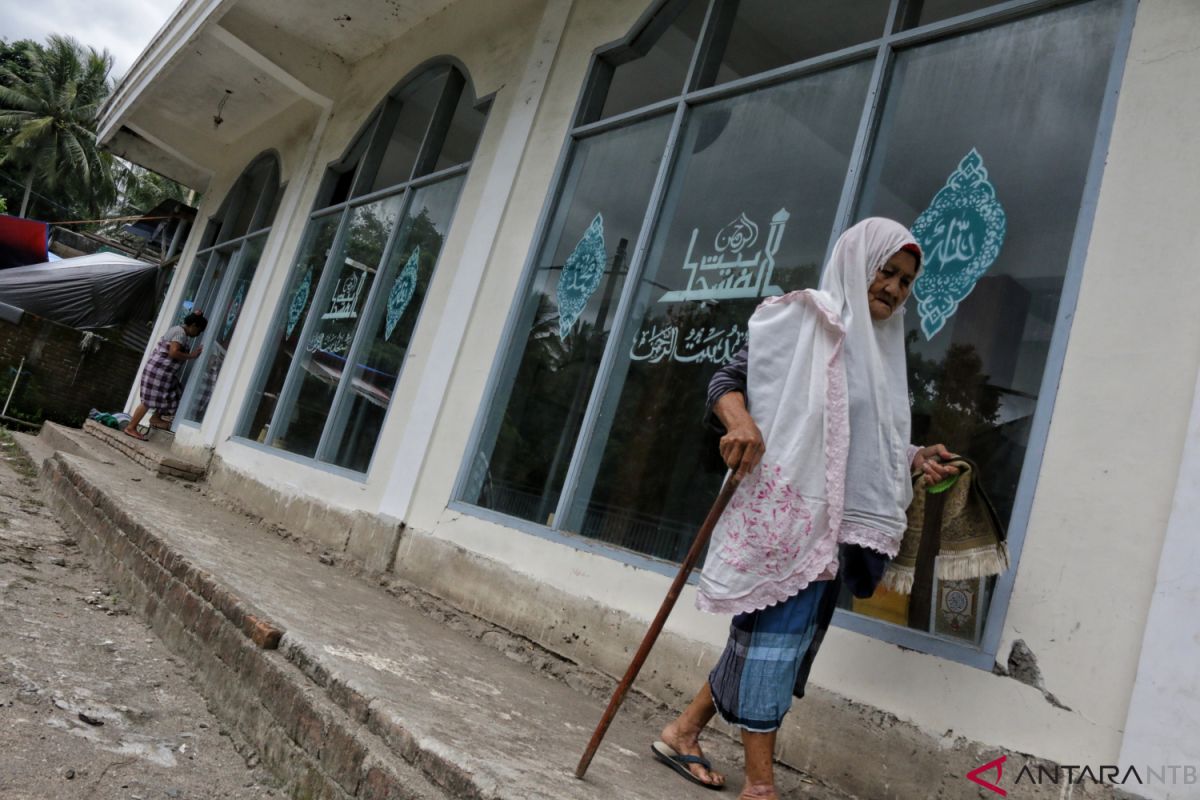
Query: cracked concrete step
point(59, 438)
point(408, 691)
point(155, 455)
point(34, 447)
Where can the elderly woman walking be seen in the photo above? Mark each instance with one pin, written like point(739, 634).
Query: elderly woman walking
point(816, 418)
point(160, 387)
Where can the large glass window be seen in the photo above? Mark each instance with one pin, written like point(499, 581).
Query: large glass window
point(1020, 115)
point(362, 272)
point(670, 225)
point(222, 272)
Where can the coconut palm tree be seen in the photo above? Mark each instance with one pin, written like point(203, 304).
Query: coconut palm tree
point(48, 120)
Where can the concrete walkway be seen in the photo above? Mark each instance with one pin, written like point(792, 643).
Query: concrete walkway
point(357, 688)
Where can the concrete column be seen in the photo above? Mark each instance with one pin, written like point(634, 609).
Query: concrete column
point(248, 340)
point(1160, 729)
point(452, 327)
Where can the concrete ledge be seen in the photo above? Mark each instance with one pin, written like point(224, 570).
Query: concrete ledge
point(368, 540)
point(74, 441)
point(362, 693)
point(302, 734)
point(151, 455)
point(857, 748)
point(35, 448)
point(374, 690)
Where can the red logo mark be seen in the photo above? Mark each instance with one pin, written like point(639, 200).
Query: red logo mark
point(998, 764)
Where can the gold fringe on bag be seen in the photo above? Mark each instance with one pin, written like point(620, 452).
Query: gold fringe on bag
point(970, 537)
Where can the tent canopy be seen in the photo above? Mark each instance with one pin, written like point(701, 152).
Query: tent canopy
point(92, 291)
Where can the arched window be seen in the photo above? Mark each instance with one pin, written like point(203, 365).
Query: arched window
point(368, 255)
point(717, 153)
point(224, 267)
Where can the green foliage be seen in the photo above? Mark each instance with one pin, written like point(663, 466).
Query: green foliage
point(14, 61)
point(3, 206)
point(50, 101)
point(141, 189)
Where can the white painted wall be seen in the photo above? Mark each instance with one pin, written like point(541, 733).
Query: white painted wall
point(1161, 727)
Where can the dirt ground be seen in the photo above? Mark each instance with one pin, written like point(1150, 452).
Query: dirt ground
point(92, 705)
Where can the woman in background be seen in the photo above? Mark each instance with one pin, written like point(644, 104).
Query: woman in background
point(160, 387)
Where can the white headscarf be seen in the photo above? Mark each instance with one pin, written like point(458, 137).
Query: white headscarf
point(828, 388)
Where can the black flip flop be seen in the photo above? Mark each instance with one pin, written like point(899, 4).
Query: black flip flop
point(679, 762)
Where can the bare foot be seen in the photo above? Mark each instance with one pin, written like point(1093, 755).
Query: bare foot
point(135, 433)
point(688, 743)
point(758, 791)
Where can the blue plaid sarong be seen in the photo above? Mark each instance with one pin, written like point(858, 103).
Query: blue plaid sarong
point(768, 656)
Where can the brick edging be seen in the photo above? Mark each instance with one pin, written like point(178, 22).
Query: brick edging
point(312, 728)
point(155, 462)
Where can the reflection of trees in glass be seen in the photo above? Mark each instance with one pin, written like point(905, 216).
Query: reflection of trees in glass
point(952, 398)
point(954, 403)
point(369, 230)
point(660, 466)
point(552, 372)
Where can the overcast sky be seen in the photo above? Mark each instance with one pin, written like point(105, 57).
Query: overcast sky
point(123, 27)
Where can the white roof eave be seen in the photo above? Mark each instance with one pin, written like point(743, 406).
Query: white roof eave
point(189, 20)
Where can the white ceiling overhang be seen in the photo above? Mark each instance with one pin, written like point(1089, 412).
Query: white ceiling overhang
point(219, 69)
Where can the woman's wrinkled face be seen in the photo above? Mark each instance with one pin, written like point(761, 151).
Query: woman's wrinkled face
point(892, 285)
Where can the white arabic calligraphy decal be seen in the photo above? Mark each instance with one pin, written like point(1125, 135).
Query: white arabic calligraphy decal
point(700, 345)
point(337, 342)
point(349, 287)
point(732, 273)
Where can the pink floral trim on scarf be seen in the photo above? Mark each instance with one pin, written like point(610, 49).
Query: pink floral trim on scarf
point(837, 448)
point(871, 538)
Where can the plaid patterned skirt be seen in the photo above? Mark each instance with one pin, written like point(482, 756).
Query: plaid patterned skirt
point(768, 656)
point(160, 387)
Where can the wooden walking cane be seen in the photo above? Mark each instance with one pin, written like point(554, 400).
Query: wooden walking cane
point(656, 626)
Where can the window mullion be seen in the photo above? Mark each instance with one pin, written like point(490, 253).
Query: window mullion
point(291, 384)
point(714, 37)
point(186, 370)
point(237, 198)
point(439, 125)
point(362, 332)
point(377, 144)
point(868, 124)
point(702, 50)
point(583, 443)
point(206, 280)
point(265, 198)
point(201, 365)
